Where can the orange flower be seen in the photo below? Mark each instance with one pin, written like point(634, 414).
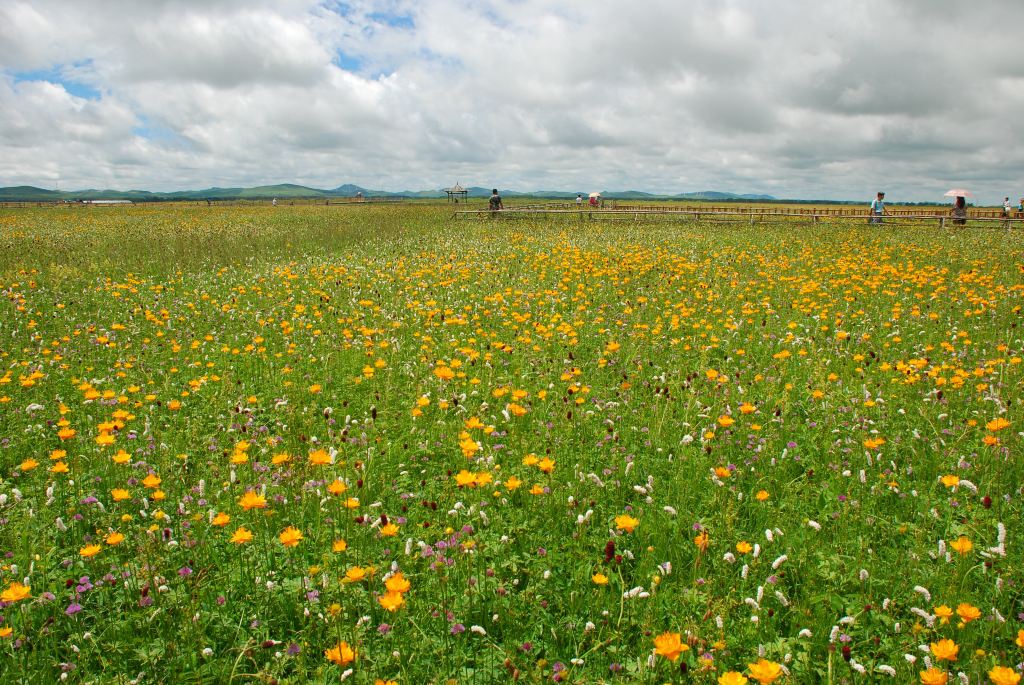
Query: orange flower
point(702, 540)
point(599, 579)
point(765, 671)
point(114, 538)
point(341, 655)
point(945, 650)
point(337, 487)
point(251, 500)
point(934, 676)
point(388, 530)
point(626, 522)
point(732, 678)
point(15, 592)
point(241, 536)
point(962, 545)
point(152, 481)
point(319, 458)
point(339, 546)
point(354, 575)
point(221, 519)
point(968, 612)
point(1001, 675)
point(397, 583)
point(90, 551)
point(670, 646)
point(392, 601)
point(290, 536)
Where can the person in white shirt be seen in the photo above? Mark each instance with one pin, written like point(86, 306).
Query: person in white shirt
point(878, 208)
point(579, 200)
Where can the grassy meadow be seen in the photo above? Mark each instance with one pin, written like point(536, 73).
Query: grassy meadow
point(380, 445)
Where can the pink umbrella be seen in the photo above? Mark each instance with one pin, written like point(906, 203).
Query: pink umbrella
point(959, 192)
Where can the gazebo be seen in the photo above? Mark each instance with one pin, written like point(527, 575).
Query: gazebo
point(456, 193)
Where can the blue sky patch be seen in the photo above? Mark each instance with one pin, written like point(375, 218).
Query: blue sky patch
point(58, 76)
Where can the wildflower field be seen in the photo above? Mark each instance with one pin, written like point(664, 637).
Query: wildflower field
point(377, 444)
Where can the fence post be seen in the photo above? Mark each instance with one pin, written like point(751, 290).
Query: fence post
point(942, 222)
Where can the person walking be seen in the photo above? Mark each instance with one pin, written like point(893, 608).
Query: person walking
point(877, 208)
point(1007, 207)
point(579, 200)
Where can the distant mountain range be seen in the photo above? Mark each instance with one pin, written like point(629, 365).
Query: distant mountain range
point(292, 191)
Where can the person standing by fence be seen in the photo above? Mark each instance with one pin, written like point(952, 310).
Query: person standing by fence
point(877, 208)
point(494, 204)
point(959, 212)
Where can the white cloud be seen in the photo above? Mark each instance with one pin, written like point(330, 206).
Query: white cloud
point(827, 98)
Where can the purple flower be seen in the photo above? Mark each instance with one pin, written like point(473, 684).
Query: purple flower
point(73, 609)
point(384, 628)
point(294, 649)
point(457, 629)
point(184, 571)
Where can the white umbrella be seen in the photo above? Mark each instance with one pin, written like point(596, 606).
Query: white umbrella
point(595, 195)
point(958, 192)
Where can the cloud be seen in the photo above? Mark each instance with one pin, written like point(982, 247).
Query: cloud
point(834, 98)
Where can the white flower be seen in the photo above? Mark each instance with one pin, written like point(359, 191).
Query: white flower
point(887, 670)
point(779, 562)
point(923, 592)
point(805, 634)
point(479, 630)
point(814, 524)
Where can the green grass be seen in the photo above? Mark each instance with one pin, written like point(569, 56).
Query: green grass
point(842, 370)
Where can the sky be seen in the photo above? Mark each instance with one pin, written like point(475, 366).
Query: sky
point(793, 98)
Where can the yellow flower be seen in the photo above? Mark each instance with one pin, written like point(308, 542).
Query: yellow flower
point(762, 495)
point(341, 655)
point(967, 612)
point(29, 464)
point(339, 546)
point(90, 551)
point(152, 481)
point(547, 465)
point(934, 676)
point(118, 494)
point(221, 519)
point(114, 538)
point(1001, 675)
point(945, 650)
point(6, 631)
point(290, 536)
point(725, 421)
point(1020, 639)
point(764, 671)
point(702, 541)
point(241, 536)
point(732, 678)
point(962, 545)
point(943, 612)
point(950, 481)
point(337, 487)
point(669, 645)
point(388, 530)
point(465, 479)
point(599, 579)
point(59, 467)
point(15, 592)
point(66, 433)
point(744, 547)
point(626, 522)
point(511, 483)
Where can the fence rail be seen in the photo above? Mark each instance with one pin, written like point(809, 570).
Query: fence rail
point(751, 215)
